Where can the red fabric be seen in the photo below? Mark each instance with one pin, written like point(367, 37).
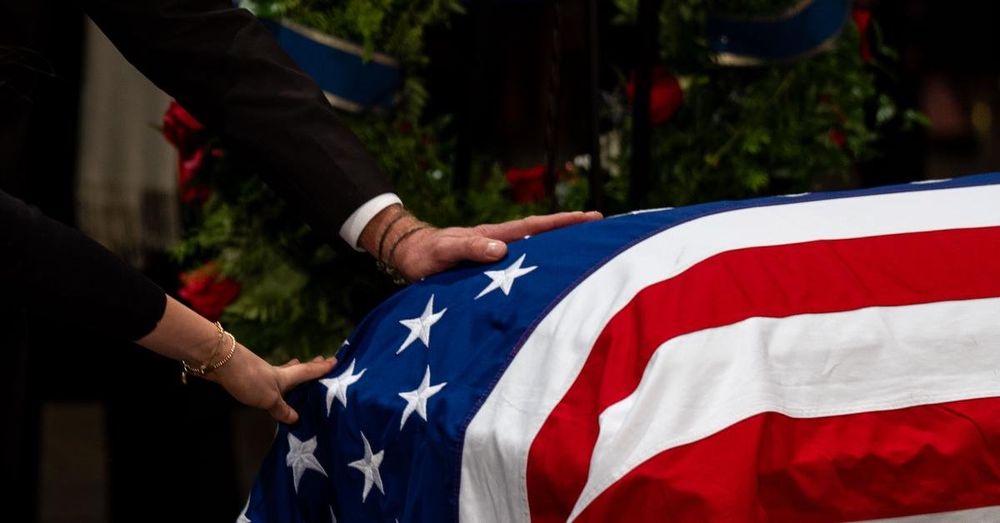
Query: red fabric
point(665, 95)
point(776, 281)
point(528, 184)
point(771, 467)
point(208, 293)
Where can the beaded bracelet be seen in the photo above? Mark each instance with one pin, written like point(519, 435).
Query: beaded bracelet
point(385, 232)
point(204, 369)
point(387, 267)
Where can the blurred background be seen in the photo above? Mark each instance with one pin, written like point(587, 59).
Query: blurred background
point(495, 109)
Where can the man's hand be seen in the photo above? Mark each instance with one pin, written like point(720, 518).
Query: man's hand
point(431, 250)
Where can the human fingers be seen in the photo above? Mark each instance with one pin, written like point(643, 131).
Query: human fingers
point(289, 363)
point(282, 412)
point(448, 250)
point(531, 225)
point(440, 249)
point(292, 376)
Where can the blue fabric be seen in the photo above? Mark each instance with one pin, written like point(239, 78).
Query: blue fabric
point(470, 349)
point(779, 38)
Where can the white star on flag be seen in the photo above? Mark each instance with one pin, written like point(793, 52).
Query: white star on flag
point(337, 387)
point(416, 400)
point(243, 515)
point(421, 327)
point(504, 279)
point(368, 466)
point(300, 458)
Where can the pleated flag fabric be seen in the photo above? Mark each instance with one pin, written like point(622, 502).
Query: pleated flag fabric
point(816, 357)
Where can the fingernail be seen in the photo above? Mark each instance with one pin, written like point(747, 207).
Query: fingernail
point(494, 249)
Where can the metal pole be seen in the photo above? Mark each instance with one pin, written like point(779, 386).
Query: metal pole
point(648, 27)
point(551, 138)
point(596, 174)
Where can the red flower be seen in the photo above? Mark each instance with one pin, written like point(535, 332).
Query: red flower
point(187, 168)
point(837, 137)
point(863, 18)
point(208, 293)
point(181, 129)
point(187, 134)
point(528, 184)
point(665, 96)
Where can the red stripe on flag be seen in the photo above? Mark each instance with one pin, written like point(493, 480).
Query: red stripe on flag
point(773, 281)
point(917, 460)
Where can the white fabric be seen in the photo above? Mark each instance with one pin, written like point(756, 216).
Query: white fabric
point(807, 366)
point(127, 171)
point(975, 515)
point(494, 460)
point(350, 231)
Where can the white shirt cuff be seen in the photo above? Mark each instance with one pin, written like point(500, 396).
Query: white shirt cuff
point(350, 231)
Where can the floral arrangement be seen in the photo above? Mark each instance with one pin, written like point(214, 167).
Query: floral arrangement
point(255, 264)
point(783, 127)
point(720, 132)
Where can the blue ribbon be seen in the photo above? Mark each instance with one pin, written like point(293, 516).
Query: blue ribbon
point(339, 67)
point(805, 29)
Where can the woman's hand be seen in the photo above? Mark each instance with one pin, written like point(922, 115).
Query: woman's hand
point(183, 334)
point(431, 250)
point(257, 383)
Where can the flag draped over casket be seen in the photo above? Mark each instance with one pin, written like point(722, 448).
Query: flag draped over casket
point(814, 357)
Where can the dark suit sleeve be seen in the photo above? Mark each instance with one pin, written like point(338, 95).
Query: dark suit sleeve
point(223, 66)
point(51, 268)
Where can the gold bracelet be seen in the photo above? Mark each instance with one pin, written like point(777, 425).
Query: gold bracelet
point(203, 370)
point(218, 343)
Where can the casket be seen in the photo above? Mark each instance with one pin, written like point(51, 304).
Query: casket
point(813, 357)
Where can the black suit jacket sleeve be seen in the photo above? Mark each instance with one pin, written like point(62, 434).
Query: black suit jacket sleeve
point(223, 66)
point(53, 269)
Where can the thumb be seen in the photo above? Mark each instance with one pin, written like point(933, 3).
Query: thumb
point(480, 249)
point(283, 413)
point(295, 375)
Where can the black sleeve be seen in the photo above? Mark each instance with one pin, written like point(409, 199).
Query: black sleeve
point(223, 66)
point(49, 267)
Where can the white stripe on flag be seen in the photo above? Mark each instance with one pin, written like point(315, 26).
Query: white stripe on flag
point(497, 441)
point(806, 366)
point(975, 515)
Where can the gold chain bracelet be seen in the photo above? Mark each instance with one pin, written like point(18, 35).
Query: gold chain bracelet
point(204, 369)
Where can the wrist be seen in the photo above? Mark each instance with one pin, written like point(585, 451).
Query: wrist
point(374, 232)
point(221, 354)
point(203, 346)
point(400, 256)
point(226, 373)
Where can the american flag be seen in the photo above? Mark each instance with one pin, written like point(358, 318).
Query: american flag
point(814, 357)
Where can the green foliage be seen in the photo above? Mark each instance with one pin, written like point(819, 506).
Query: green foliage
point(394, 27)
point(745, 131)
point(299, 296)
point(739, 132)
